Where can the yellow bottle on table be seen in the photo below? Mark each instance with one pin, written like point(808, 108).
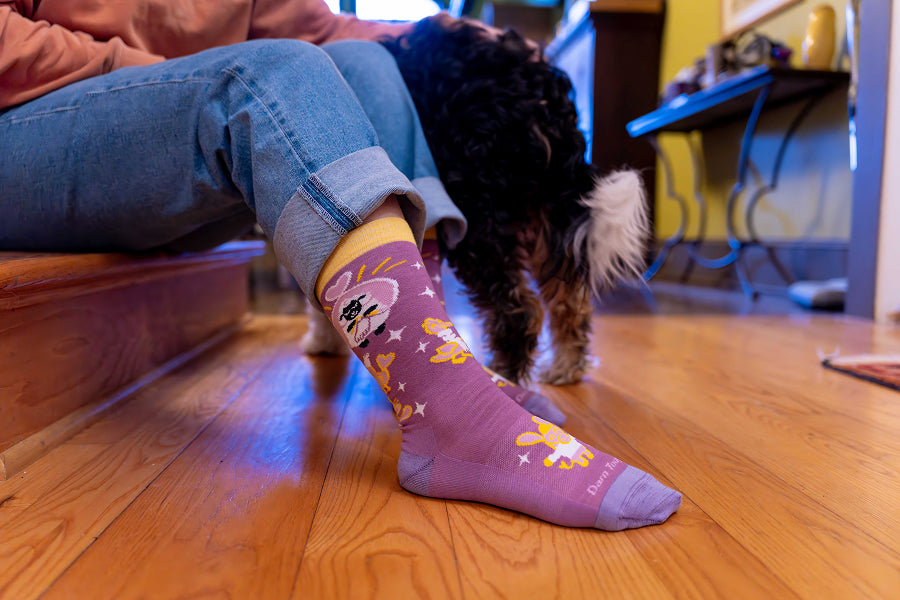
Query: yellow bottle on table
point(818, 45)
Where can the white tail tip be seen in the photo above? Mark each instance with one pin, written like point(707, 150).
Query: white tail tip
point(616, 232)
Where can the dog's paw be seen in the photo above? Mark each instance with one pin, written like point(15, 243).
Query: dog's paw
point(562, 374)
point(570, 364)
point(321, 338)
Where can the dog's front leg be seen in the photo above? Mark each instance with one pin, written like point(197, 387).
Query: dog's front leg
point(322, 338)
point(511, 313)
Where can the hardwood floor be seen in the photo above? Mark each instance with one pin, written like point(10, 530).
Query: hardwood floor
point(256, 472)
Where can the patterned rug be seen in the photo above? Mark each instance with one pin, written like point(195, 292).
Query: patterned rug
point(882, 369)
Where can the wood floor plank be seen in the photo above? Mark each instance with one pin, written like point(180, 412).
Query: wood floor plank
point(811, 549)
point(230, 516)
point(692, 554)
point(24, 489)
point(851, 334)
point(507, 555)
point(776, 411)
point(68, 498)
point(788, 349)
point(686, 420)
point(370, 538)
point(835, 393)
point(240, 476)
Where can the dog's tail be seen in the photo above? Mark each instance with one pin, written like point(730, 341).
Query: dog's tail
point(612, 239)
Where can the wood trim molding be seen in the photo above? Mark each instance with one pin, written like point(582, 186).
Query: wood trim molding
point(28, 278)
point(78, 328)
point(23, 453)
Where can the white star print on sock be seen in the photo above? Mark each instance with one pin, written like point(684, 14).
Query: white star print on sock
point(395, 334)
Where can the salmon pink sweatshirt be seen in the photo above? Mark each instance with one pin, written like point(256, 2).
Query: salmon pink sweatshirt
point(47, 44)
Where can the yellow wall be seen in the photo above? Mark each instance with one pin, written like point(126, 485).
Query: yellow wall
point(813, 197)
point(690, 26)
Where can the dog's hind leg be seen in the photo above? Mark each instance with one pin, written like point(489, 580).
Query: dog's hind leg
point(565, 291)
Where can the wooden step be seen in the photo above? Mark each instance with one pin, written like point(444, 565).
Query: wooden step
point(80, 331)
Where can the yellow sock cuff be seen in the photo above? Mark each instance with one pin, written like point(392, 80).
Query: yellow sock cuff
point(367, 236)
point(431, 233)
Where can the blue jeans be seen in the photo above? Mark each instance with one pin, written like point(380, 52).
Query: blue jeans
point(186, 154)
point(376, 80)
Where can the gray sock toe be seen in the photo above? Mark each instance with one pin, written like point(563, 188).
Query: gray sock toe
point(636, 499)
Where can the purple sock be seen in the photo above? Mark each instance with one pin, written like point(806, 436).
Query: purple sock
point(533, 402)
point(462, 438)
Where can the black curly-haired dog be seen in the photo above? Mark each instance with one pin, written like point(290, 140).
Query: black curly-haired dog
point(503, 129)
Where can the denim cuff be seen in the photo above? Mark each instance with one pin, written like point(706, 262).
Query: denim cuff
point(441, 211)
point(333, 201)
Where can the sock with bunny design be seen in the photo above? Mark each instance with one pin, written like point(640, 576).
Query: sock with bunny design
point(461, 437)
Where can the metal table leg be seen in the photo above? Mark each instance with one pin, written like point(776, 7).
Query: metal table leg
point(678, 236)
point(772, 185)
point(695, 150)
point(735, 244)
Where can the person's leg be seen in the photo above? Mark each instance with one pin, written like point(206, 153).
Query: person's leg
point(372, 73)
point(186, 152)
point(461, 437)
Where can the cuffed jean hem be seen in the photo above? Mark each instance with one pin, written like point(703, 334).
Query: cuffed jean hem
point(342, 194)
point(441, 211)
